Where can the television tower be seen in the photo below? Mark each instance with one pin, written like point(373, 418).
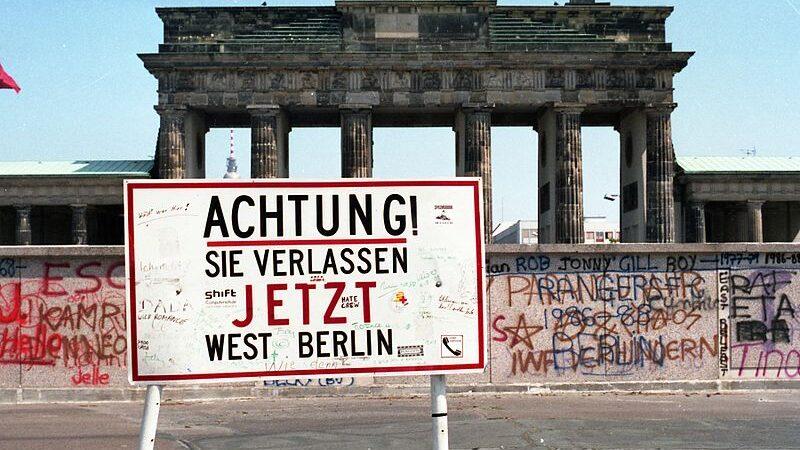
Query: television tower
point(232, 167)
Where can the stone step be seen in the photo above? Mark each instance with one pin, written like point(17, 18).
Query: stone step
point(296, 32)
point(284, 39)
point(527, 28)
point(283, 36)
point(519, 30)
point(524, 26)
point(562, 31)
point(502, 18)
point(516, 22)
point(550, 37)
point(316, 20)
point(552, 41)
point(547, 36)
point(308, 24)
point(289, 33)
point(280, 41)
point(525, 41)
point(293, 28)
point(494, 23)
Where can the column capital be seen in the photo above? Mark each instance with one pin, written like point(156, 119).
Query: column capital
point(566, 107)
point(628, 108)
point(755, 203)
point(659, 108)
point(477, 107)
point(169, 109)
point(267, 110)
point(171, 147)
point(355, 108)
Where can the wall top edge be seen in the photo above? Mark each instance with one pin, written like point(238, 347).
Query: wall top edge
point(745, 247)
point(750, 247)
point(61, 250)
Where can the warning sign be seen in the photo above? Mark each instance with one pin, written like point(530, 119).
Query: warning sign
point(274, 279)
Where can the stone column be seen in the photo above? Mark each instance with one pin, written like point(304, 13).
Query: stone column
point(79, 233)
point(171, 142)
point(264, 142)
point(698, 221)
point(632, 129)
point(660, 170)
point(755, 226)
point(284, 127)
point(569, 175)
point(477, 157)
point(356, 142)
point(23, 224)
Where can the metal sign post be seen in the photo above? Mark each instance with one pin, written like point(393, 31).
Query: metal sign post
point(273, 279)
point(439, 412)
point(152, 404)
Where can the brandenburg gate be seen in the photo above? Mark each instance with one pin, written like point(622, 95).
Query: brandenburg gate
point(465, 64)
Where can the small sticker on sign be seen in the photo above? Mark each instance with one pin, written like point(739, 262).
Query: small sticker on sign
point(452, 346)
point(405, 351)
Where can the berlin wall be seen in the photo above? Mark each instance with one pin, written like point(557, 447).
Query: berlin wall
point(645, 313)
point(62, 319)
point(609, 313)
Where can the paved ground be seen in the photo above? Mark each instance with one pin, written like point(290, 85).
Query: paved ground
point(752, 420)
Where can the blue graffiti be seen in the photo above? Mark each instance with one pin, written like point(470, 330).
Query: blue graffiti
point(307, 382)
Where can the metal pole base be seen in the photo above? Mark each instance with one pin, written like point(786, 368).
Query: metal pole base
point(439, 412)
point(152, 404)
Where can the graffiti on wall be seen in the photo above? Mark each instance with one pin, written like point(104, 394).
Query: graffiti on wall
point(311, 382)
point(760, 297)
point(553, 318)
point(615, 317)
point(62, 322)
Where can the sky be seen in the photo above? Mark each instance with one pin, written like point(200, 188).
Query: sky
point(86, 95)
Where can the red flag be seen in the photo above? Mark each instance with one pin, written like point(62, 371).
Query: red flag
point(6, 82)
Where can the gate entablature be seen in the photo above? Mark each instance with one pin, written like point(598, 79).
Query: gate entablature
point(414, 54)
point(422, 63)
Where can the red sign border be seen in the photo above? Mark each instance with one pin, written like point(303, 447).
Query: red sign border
point(130, 186)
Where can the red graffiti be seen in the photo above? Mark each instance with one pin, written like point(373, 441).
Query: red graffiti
point(93, 378)
point(65, 314)
point(11, 301)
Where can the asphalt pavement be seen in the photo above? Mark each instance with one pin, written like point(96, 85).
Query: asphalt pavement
point(477, 421)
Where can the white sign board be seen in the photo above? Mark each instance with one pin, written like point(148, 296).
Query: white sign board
point(275, 278)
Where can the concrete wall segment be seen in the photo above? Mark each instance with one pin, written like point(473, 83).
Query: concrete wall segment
point(621, 317)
